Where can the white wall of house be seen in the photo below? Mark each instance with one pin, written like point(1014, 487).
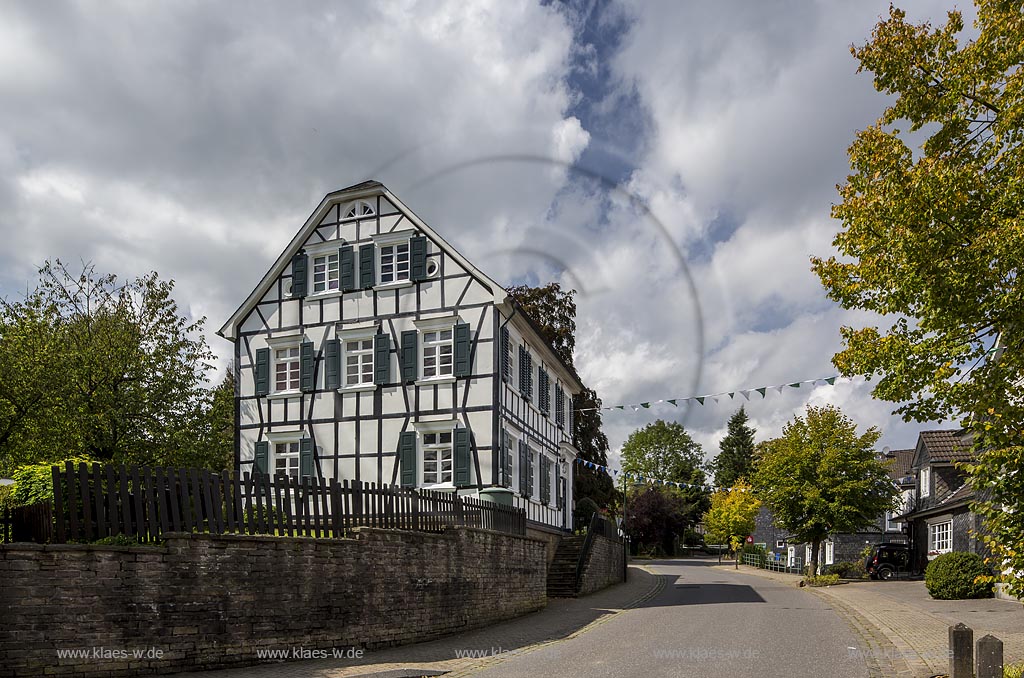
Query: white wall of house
point(354, 428)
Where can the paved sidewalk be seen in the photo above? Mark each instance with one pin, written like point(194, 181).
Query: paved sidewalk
point(561, 619)
point(914, 625)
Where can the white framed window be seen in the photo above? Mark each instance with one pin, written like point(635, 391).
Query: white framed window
point(780, 543)
point(830, 553)
point(437, 353)
point(325, 273)
point(286, 459)
point(940, 537)
point(890, 524)
point(359, 208)
point(437, 457)
point(394, 263)
point(926, 481)
point(286, 368)
point(358, 361)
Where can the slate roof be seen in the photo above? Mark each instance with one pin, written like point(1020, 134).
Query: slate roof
point(900, 462)
point(946, 446)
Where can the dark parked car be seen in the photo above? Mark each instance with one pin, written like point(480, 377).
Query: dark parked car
point(888, 561)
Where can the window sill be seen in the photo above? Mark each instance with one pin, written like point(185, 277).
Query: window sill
point(443, 487)
point(361, 388)
point(329, 294)
point(383, 287)
point(282, 395)
point(430, 381)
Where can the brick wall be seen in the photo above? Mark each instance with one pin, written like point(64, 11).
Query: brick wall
point(207, 602)
point(604, 565)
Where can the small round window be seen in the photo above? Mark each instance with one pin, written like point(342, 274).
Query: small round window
point(432, 268)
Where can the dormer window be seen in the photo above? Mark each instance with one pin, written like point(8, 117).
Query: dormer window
point(359, 209)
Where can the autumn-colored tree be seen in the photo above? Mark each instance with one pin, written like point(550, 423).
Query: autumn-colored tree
point(732, 516)
point(933, 237)
point(822, 477)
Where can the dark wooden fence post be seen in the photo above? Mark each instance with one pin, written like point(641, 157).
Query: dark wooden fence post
point(989, 657)
point(961, 651)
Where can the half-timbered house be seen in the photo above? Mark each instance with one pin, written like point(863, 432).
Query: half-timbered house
point(372, 350)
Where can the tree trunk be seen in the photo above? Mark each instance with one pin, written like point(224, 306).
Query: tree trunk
point(815, 552)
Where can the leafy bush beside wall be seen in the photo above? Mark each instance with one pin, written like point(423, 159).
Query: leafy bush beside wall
point(952, 576)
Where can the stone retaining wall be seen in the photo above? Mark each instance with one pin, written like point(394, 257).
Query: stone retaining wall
point(604, 565)
point(206, 601)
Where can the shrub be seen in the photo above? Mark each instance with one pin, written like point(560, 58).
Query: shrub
point(1013, 671)
point(842, 569)
point(34, 483)
point(6, 497)
point(823, 580)
point(758, 556)
point(954, 576)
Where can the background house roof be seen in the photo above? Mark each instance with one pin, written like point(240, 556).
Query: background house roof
point(946, 446)
point(900, 463)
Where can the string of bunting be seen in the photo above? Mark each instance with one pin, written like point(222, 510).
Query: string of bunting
point(644, 479)
point(746, 393)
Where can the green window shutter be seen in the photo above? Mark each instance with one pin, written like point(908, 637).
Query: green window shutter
point(367, 267)
point(408, 356)
point(528, 392)
point(306, 467)
point(558, 486)
point(417, 258)
point(381, 358)
point(543, 401)
point(461, 443)
point(300, 275)
point(347, 268)
point(261, 457)
point(307, 367)
point(332, 363)
point(545, 481)
point(462, 350)
point(559, 406)
point(524, 471)
point(529, 472)
point(506, 366)
point(407, 458)
point(505, 461)
point(262, 370)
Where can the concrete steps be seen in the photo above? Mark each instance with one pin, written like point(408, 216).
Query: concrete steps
point(562, 572)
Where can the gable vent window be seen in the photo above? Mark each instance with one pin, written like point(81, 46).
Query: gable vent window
point(359, 209)
point(394, 263)
point(325, 273)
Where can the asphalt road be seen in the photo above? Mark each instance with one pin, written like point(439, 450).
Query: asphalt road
point(706, 622)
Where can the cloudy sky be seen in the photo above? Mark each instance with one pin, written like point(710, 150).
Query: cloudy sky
point(672, 161)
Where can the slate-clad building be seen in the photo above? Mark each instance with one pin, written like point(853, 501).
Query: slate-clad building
point(372, 350)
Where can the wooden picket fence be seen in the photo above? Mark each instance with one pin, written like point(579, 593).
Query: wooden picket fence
point(143, 503)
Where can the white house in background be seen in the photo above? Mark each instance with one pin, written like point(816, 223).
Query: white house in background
point(373, 351)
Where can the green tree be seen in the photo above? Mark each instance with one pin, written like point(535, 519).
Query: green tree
point(665, 451)
point(821, 477)
point(655, 516)
point(736, 458)
point(933, 238)
point(732, 516)
point(554, 312)
point(97, 367)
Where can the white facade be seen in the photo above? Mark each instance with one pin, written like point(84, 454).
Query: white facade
point(373, 351)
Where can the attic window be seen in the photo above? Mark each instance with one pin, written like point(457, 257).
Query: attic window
point(359, 209)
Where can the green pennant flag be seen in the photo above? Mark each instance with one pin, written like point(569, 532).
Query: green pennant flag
point(732, 395)
point(645, 405)
point(620, 407)
point(761, 390)
point(831, 381)
point(700, 400)
point(673, 401)
point(795, 385)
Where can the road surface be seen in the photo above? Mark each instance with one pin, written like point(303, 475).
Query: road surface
point(707, 622)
